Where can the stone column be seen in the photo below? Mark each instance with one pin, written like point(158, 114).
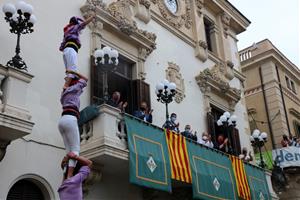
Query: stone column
point(199, 30)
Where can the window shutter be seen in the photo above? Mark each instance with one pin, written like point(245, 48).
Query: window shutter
point(141, 92)
point(25, 190)
point(236, 145)
point(211, 126)
point(96, 83)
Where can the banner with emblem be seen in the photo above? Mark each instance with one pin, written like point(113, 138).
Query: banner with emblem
point(257, 183)
point(212, 174)
point(149, 163)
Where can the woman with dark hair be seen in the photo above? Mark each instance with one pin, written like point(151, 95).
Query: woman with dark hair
point(71, 187)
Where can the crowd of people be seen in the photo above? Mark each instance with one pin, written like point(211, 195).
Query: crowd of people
point(290, 141)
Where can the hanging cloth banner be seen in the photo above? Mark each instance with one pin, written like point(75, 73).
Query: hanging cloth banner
point(257, 182)
point(180, 165)
point(240, 178)
point(149, 163)
point(212, 174)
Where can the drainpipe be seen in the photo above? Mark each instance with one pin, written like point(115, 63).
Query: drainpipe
point(283, 102)
point(267, 109)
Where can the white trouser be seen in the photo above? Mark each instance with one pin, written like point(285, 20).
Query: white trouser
point(70, 59)
point(68, 128)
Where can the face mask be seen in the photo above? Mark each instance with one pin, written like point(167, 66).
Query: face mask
point(187, 129)
point(173, 119)
point(205, 137)
point(143, 109)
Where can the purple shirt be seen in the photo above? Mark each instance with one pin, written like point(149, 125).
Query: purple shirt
point(72, 33)
point(71, 188)
point(70, 97)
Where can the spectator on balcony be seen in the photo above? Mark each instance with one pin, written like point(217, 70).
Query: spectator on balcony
point(245, 156)
point(171, 124)
point(71, 187)
point(188, 133)
point(222, 143)
point(115, 101)
point(144, 113)
point(285, 141)
point(206, 140)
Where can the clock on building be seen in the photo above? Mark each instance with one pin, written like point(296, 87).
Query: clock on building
point(172, 5)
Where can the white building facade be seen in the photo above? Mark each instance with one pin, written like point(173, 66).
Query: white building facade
point(192, 43)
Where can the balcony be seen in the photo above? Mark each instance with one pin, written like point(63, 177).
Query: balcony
point(15, 119)
point(103, 142)
point(101, 139)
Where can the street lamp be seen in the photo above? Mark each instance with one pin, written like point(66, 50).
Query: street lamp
point(107, 61)
point(21, 21)
point(228, 122)
point(259, 139)
point(165, 92)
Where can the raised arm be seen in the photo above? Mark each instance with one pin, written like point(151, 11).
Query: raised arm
point(82, 160)
point(78, 74)
point(88, 20)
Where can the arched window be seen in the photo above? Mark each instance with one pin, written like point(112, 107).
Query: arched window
point(25, 190)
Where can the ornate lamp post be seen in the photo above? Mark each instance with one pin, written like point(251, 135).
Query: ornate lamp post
point(228, 122)
point(259, 139)
point(165, 92)
point(21, 21)
point(107, 61)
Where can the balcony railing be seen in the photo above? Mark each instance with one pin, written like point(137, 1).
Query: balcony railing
point(104, 141)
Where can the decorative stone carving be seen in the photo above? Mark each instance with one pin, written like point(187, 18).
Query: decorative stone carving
point(226, 23)
point(214, 80)
point(143, 54)
point(118, 15)
point(201, 50)
point(200, 5)
point(142, 11)
point(145, 3)
point(229, 70)
point(183, 17)
point(173, 75)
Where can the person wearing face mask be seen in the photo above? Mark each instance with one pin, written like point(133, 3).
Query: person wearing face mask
point(206, 140)
point(143, 113)
point(171, 124)
point(188, 133)
point(243, 156)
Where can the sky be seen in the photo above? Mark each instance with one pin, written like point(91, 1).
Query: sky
point(276, 20)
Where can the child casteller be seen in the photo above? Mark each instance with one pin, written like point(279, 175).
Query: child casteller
point(71, 44)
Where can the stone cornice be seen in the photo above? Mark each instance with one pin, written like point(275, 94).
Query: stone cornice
point(256, 60)
point(18, 74)
point(239, 75)
point(240, 22)
point(294, 112)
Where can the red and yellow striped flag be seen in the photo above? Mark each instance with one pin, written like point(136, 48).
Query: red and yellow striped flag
point(241, 178)
point(180, 165)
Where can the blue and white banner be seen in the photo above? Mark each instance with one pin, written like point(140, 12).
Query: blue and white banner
point(287, 157)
